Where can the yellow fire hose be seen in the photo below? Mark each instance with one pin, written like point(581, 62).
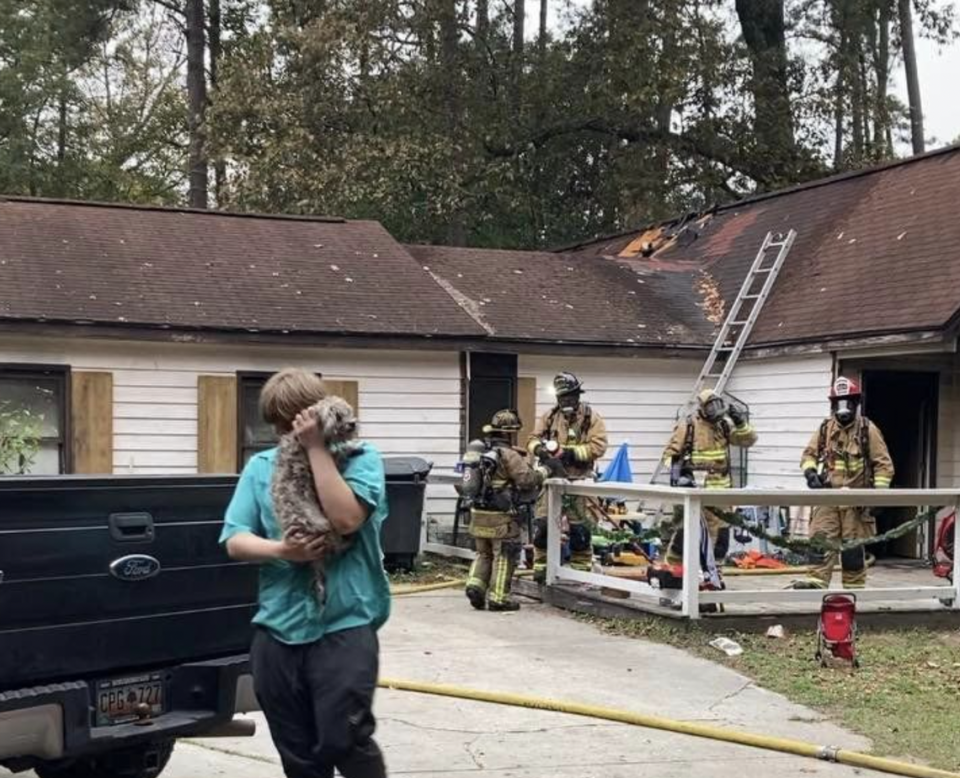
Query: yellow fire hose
point(767, 742)
point(401, 591)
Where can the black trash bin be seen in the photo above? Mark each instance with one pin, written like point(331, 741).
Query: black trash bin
point(406, 486)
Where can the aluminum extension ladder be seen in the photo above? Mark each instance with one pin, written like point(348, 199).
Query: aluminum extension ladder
point(738, 324)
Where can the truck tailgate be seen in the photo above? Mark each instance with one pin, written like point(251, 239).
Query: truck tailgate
point(109, 574)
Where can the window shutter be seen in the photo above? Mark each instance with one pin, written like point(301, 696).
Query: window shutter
point(217, 424)
point(348, 390)
point(527, 408)
point(91, 422)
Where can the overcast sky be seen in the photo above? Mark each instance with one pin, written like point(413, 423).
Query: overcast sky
point(939, 79)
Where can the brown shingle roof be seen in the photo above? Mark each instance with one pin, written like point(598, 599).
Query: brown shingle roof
point(877, 251)
point(76, 262)
point(543, 296)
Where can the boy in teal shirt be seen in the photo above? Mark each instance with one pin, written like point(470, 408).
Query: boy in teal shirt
point(315, 665)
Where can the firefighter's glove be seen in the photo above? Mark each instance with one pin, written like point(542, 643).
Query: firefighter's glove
point(542, 453)
point(567, 457)
point(813, 478)
point(552, 468)
point(737, 415)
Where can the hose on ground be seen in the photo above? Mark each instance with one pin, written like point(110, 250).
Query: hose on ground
point(696, 729)
point(401, 591)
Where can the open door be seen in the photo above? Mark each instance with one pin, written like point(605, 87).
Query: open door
point(903, 404)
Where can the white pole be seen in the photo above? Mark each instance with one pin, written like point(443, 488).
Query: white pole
point(553, 533)
point(691, 557)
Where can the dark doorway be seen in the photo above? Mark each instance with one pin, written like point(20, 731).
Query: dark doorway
point(491, 385)
point(903, 404)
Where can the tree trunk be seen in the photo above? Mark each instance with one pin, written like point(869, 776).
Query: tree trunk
point(881, 119)
point(62, 135)
point(196, 102)
point(764, 31)
point(216, 55)
point(449, 33)
point(913, 76)
point(839, 99)
point(483, 22)
point(519, 20)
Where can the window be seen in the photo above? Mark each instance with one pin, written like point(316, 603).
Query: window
point(38, 393)
point(255, 434)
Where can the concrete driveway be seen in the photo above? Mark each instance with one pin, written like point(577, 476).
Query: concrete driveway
point(437, 637)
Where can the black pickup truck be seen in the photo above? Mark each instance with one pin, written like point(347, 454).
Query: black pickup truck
point(123, 625)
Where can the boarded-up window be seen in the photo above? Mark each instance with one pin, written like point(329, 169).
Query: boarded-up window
point(254, 433)
point(527, 408)
point(217, 424)
point(33, 403)
point(91, 422)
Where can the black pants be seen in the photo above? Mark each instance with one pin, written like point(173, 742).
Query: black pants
point(318, 700)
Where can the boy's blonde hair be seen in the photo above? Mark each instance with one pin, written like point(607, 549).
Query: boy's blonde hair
point(287, 393)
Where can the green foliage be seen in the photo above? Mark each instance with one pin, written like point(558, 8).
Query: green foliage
point(19, 439)
point(421, 115)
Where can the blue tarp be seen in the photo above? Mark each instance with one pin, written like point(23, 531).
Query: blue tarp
point(618, 471)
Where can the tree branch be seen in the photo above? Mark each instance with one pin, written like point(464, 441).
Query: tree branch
point(714, 149)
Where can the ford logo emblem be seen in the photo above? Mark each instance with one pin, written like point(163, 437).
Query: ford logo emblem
point(136, 567)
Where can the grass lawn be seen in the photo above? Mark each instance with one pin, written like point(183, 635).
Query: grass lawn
point(905, 697)
point(431, 569)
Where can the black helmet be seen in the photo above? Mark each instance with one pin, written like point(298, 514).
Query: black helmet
point(503, 421)
point(566, 383)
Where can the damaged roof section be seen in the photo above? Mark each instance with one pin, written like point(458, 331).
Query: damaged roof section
point(567, 298)
point(876, 252)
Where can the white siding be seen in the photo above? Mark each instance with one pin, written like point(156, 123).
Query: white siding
point(788, 400)
point(409, 401)
point(639, 401)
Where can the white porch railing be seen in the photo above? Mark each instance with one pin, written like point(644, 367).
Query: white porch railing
point(693, 500)
point(689, 597)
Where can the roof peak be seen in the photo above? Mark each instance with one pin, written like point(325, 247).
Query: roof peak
point(169, 209)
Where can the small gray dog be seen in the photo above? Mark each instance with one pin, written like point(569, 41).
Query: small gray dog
point(295, 500)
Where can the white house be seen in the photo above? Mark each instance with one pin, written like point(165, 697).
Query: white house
point(143, 334)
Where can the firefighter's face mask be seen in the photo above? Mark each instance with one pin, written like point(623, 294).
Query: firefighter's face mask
point(844, 411)
point(713, 409)
point(568, 403)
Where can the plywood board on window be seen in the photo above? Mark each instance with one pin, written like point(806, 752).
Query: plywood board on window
point(91, 422)
point(217, 424)
point(527, 408)
point(348, 390)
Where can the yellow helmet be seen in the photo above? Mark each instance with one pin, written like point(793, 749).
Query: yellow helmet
point(503, 421)
point(712, 406)
point(706, 396)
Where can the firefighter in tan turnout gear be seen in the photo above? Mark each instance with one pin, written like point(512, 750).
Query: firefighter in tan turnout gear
point(496, 477)
point(573, 434)
point(847, 451)
point(698, 454)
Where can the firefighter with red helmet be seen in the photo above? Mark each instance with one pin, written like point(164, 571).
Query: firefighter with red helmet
point(847, 451)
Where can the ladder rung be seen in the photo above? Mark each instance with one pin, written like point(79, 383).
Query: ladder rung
point(763, 270)
point(751, 297)
point(739, 323)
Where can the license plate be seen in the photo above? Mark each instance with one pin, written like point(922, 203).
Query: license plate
point(122, 700)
